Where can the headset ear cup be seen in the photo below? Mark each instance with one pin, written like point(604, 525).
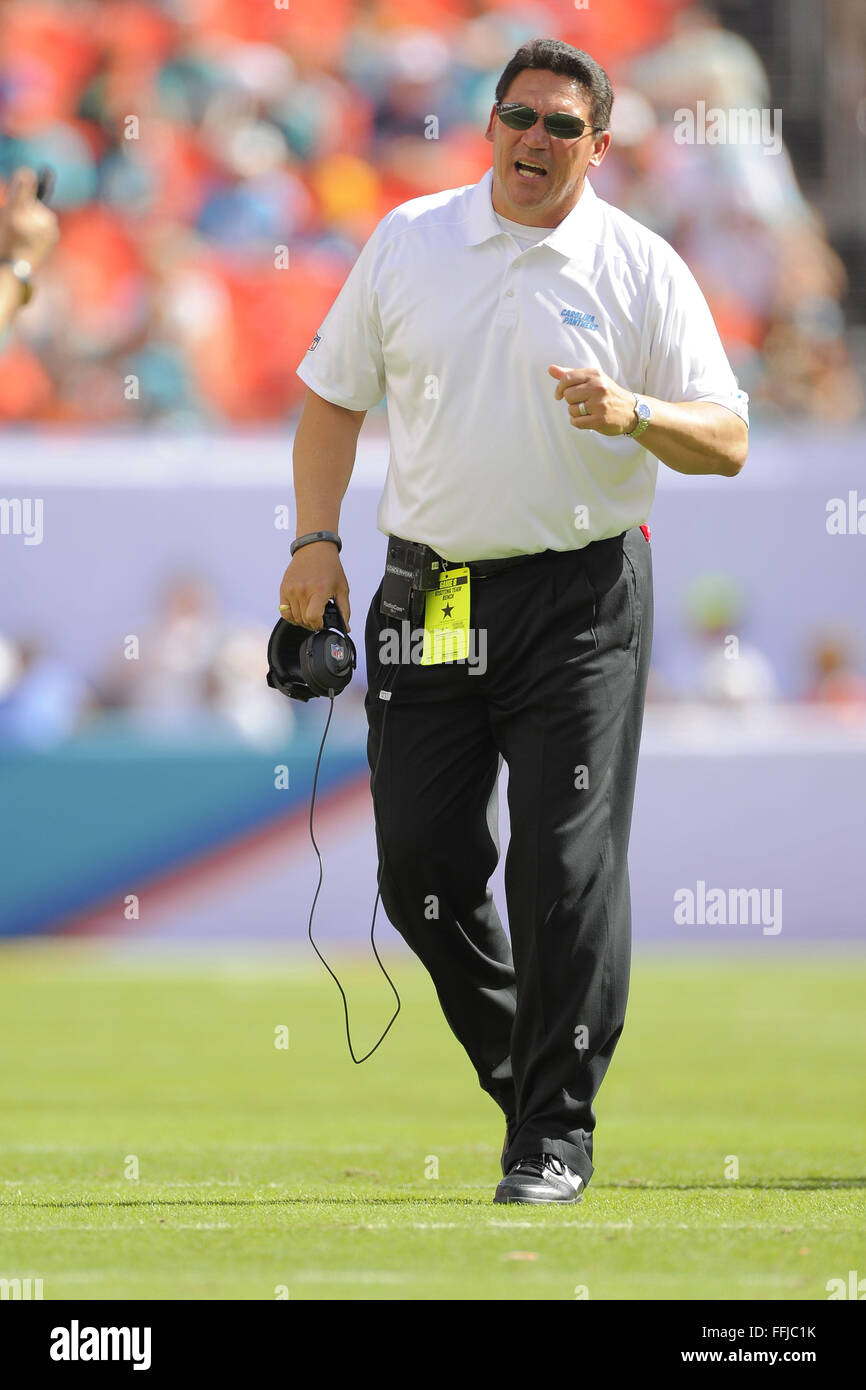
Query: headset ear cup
point(342, 657)
point(320, 670)
point(284, 669)
point(309, 665)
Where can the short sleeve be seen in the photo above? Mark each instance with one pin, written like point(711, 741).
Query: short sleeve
point(344, 363)
point(684, 359)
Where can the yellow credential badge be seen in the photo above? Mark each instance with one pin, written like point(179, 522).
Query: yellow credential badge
point(446, 619)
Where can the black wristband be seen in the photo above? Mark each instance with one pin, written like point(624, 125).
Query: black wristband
point(313, 536)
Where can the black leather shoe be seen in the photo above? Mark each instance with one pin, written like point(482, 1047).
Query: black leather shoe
point(540, 1178)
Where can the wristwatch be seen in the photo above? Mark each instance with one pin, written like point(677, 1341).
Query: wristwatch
point(22, 270)
point(644, 415)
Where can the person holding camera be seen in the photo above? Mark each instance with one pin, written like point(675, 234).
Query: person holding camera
point(29, 231)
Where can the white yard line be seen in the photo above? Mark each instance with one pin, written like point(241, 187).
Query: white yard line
point(588, 1226)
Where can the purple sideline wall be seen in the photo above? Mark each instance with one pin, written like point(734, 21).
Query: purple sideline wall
point(771, 804)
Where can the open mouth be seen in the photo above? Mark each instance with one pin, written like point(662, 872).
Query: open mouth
point(527, 170)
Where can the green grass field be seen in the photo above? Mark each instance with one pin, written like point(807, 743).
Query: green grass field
point(263, 1170)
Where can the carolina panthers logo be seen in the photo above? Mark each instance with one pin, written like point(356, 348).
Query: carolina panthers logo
point(575, 319)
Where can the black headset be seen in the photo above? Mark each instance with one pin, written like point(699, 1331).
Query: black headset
point(303, 664)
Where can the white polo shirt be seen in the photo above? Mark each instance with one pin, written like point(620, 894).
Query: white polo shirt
point(456, 322)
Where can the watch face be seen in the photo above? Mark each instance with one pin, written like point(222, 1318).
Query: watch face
point(643, 411)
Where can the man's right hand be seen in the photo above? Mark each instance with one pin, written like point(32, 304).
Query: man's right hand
point(314, 575)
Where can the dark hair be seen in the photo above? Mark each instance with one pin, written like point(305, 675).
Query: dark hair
point(555, 56)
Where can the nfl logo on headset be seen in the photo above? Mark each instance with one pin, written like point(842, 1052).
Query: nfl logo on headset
point(338, 652)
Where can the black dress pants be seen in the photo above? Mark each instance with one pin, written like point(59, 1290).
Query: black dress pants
point(568, 637)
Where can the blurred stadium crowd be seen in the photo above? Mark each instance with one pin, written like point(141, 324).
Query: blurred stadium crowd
point(221, 162)
point(195, 671)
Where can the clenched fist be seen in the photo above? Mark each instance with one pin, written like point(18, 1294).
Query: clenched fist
point(313, 576)
point(607, 407)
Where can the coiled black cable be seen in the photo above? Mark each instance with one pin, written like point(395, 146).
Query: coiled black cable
point(386, 695)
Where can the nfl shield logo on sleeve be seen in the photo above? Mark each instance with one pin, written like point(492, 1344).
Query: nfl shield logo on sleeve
point(315, 343)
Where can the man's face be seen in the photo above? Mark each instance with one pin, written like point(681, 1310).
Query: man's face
point(544, 200)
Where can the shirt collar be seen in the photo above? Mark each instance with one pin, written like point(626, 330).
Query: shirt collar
point(582, 224)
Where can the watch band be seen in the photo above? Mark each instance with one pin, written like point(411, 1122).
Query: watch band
point(642, 411)
point(22, 270)
point(312, 536)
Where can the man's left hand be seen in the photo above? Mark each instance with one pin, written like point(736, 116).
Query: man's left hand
point(607, 407)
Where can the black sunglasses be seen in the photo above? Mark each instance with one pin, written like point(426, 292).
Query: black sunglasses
point(560, 125)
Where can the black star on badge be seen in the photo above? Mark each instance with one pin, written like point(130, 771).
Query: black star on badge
point(447, 610)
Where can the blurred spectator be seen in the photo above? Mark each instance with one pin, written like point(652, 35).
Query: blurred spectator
point(42, 701)
point(196, 668)
point(168, 678)
point(240, 694)
point(736, 214)
point(28, 235)
point(834, 678)
point(721, 666)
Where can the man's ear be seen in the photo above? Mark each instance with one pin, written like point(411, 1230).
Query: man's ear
point(600, 148)
point(488, 134)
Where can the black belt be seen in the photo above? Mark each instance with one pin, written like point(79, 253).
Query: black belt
point(480, 569)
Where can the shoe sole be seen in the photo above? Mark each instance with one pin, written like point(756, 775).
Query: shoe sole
point(538, 1201)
